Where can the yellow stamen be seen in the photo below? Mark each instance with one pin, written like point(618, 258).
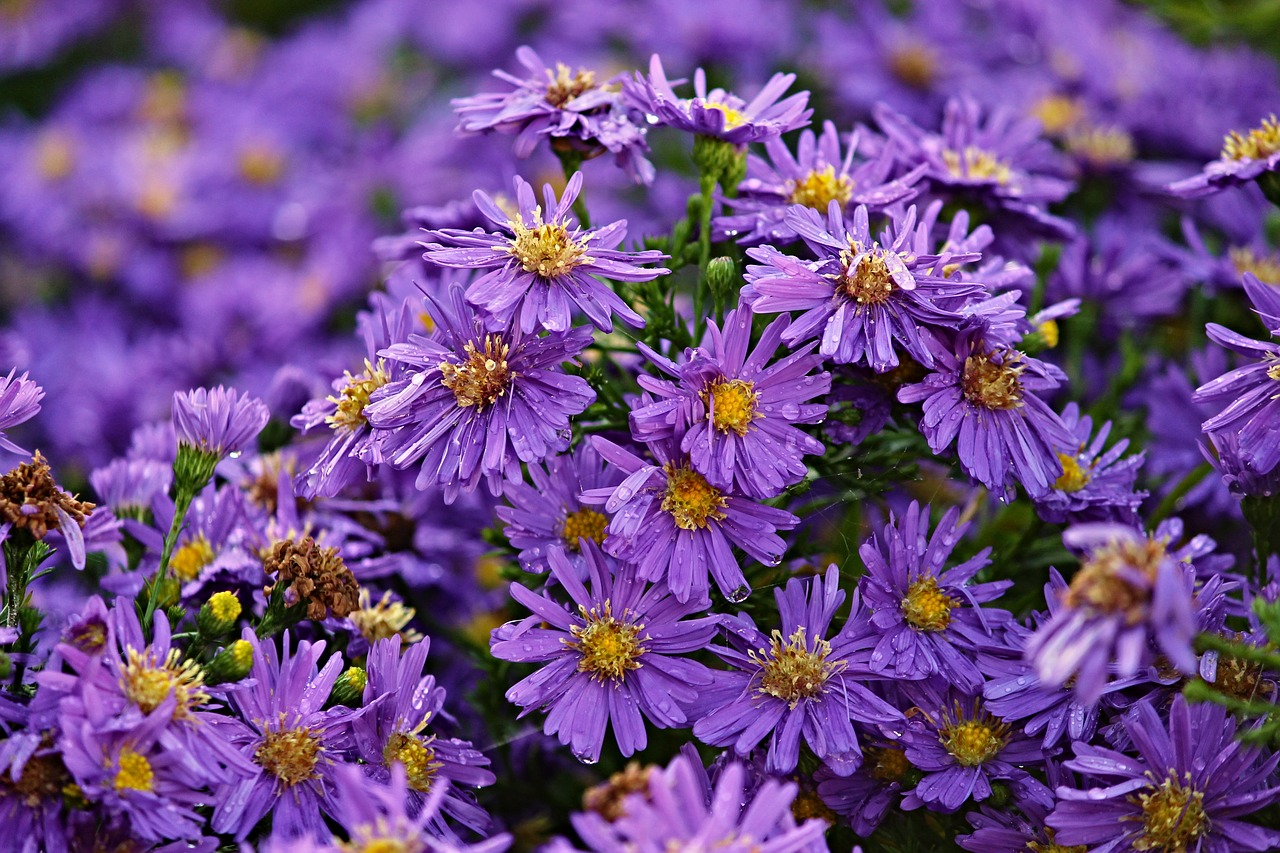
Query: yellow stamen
point(973, 739)
point(1074, 476)
point(819, 188)
point(976, 164)
point(417, 756)
point(583, 524)
point(1101, 147)
point(563, 86)
point(133, 772)
point(993, 385)
point(353, 398)
point(1265, 266)
point(191, 558)
point(1101, 584)
point(1057, 113)
point(1173, 816)
point(547, 250)
point(148, 684)
point(1258, 144)
point(609, 647)
point(224, 606)
point(691, 500)
point(483, 377)
point(290, 755)
point(926, 607)
point(384, 619)
point(791, 671)
point(732, 118)
point(868, 283)
point(732, 404)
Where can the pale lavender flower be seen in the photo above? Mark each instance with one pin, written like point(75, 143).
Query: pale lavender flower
point(1252, 393)
point(1245, 157)
point(20, 400)
point(217, 420)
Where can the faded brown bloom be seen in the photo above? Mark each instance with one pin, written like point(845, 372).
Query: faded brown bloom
point(30, 499)
point(608, 798)
point(314, 575)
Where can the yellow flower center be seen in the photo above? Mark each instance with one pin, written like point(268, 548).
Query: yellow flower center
point(914, 64)
point(868, 283)
point(1273, 372)
point(1172, 817)
point(483, 377)
point(732, 404)
point(133, 772)
point(791, 671)
point(691, 500)
point(819, 188)
point(547, 250)
point(375, 838)
point(224, 606)
point(290, 755)
point(417, 756)
point(563, 86)
point(1101, 146)
point(1049, 333)
point(148, 684)
point(1100, 583)
point(887, 763)
point(973, 740)
point(732, 118)
point(926, 607)
point(1074, 477)
point(993, 385)
point(583, 524)
point(1265, 266)
point(976, 164)
point(242, 653)
point(55, 155)
point(261, 165)
point(1258, 144)
point(1057, 113)
point(384, 619)
point(808, 804)
point(187, 561)
point(349, 415)
point(609, 648)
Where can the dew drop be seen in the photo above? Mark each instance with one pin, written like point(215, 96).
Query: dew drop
point(585, 758)
point(740, 594)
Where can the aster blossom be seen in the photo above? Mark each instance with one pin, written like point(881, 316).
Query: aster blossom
point(862, 298)
point(20, 400)
point(542, 266)
point(566, 106)
point(796, 683)
point(475, 403)
point(616, 661)
point(814, 176)
point(737, 414)
point(927, 618)
point(674, 525)
point(1189, 786)
point(217, 420)
point(717, 113)
point(1097, 484)
point(983, 398)
point(1245, 157)
point(1252, 394)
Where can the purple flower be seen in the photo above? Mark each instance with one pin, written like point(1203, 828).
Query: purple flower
point(616, 661)
point(216, 420)
point(982, 396)
point(683, 812)
point(738, 417)
point(861, 297)
point(540, 268)
point(568, 107)
point(1253, 414)
point(475, 403)
point(402, 702)
point(796, 683)
point(1244, 158)
point(865, 797)
point(1095, 485)
point(929, 620)
point(718, 113)
point(816, 176)
point(676, 526)
point(292, 742)
point(961, 749)
point(1131, 589)
point(19, 401)
point(1188, 787)
point(548, 511)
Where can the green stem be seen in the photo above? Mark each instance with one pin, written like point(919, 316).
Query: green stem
point(571, 162)
point(708, 185)
point(180, 507)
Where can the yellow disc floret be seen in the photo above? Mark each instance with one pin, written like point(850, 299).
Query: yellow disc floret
point(148, 683)
point(868, 282)
point(609, 647)
point(417, 756)
point(991, 384)
point(731, 404)
point(819, 188)
point(791, 671)
point(1074, 476)
point(973, 738)
point(133, 772)
point(1102, 582)
point(547, 249)
point(1258, 144)
point(1173, 817)
point(191, 558)
point(583, 524)
point(482, 377)
point(290, 755)
point(977, 165)
point(564, 85)
point(1264, 265)
point(224, 606)
point(691, 500)
point(926, 607)
point(351, 401)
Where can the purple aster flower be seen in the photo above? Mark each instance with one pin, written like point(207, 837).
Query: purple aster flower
point(566, 106)
point(866, 796)
point(816, 176)
point(1245, 157)
point(683, 812)
point(796, 683)
point(862, 298)
point(1095, 485)
point(379, 816)
point(1019, 829)
point(738, 417)
point(1189, 787)
point(32, 779)
point(961, 749)
point(999, 157)
point(674, 525)
point(292, 742)
point(548, 511)
point(928, 619)
point(347, 454)
point(541, 268)
point(402, 702)
point(1253, 413)
point(129, 485)
point(1131, 589)
point(983, 397)
point(1224, 454)
point(19, 401)
point(718, 113)
point(475, 403)
point(217, 420)
point(616, 661)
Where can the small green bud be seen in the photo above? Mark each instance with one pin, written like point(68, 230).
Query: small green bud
point(348, 690)
point(218, 615)
point(724, 279)
point(193, 469)
point(719, 161)
point(231, 664)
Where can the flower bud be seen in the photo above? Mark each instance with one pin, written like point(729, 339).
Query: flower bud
point(231, 664)
point(218, 615)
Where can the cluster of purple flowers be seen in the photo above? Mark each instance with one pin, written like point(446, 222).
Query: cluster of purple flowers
point(782, 489)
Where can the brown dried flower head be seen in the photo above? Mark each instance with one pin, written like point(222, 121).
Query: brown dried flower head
point(30, 499)
point(314, 575)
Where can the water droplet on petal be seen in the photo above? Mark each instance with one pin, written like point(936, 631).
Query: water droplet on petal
point(585, 758)
point(740, 594)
